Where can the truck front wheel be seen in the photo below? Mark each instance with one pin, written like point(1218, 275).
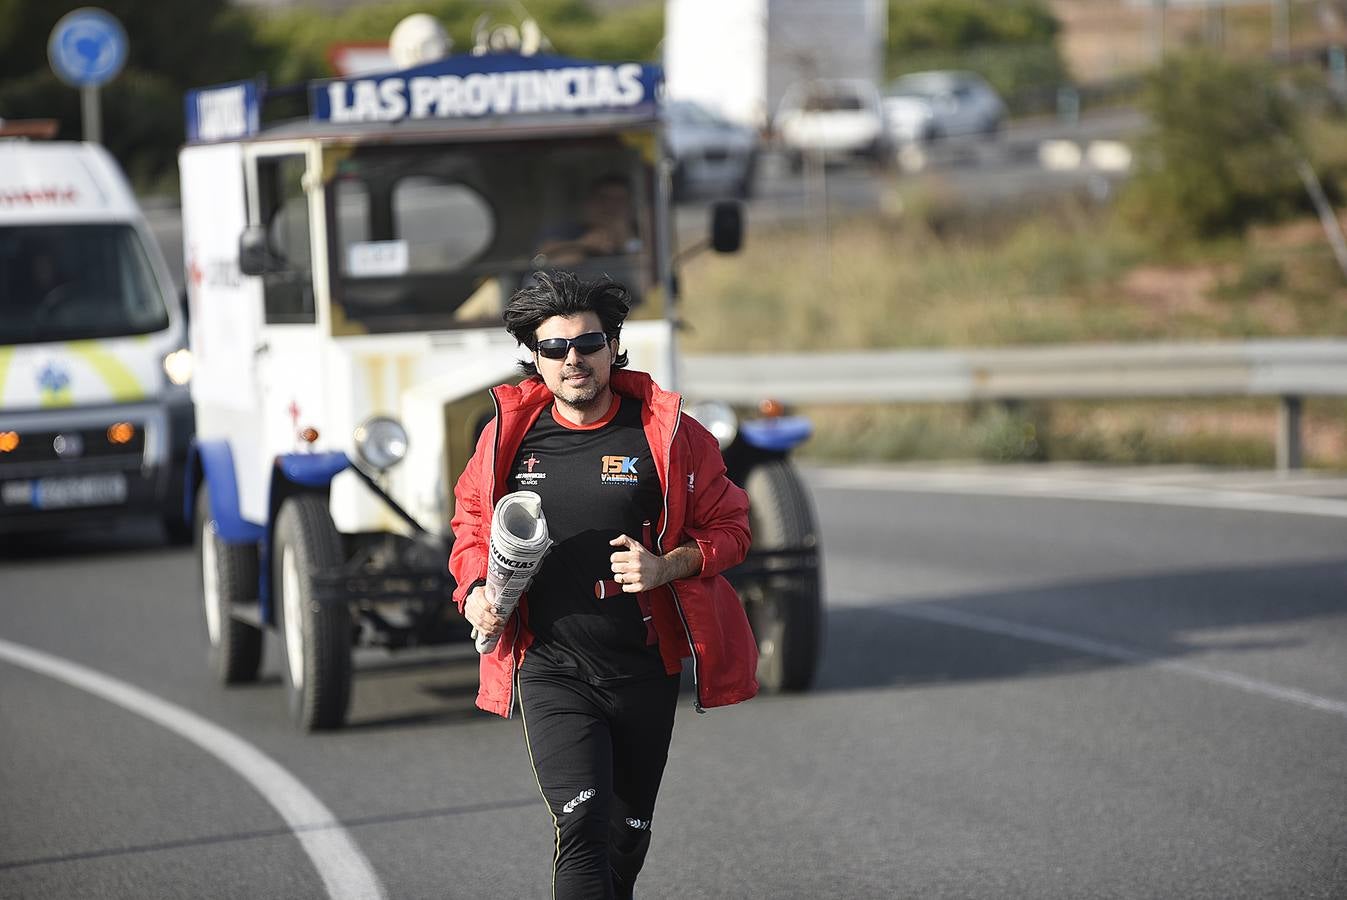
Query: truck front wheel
point(317, 635)
point(785, 610)
point(228, 578)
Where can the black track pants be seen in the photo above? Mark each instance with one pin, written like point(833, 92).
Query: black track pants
point(599, 755)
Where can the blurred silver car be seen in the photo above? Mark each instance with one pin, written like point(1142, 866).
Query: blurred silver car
point(927, 106)
point(711, 154)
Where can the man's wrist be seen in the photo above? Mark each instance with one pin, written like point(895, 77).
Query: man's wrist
point(683, 562)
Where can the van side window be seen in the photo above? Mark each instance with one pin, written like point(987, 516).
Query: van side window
point(284, 209)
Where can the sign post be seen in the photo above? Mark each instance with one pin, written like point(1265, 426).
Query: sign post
point(87, 48)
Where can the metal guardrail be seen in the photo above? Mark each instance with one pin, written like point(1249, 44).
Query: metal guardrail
point(1289, 369)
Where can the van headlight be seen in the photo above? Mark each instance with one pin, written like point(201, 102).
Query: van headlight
point(717, 418)
point(381, 442)
point(178, 366)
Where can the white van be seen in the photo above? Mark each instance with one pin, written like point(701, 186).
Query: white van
point(95, 414)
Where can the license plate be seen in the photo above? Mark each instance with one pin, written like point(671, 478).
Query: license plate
point(63, 493)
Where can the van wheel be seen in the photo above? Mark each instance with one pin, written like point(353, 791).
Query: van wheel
point(228, 577)
point(317, 635)
point(786, 611)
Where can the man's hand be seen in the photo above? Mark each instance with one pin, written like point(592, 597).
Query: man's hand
point(598, 242)
point(480, 611)
point(637, 569)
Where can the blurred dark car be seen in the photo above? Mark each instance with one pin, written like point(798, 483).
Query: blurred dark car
point(712, 156)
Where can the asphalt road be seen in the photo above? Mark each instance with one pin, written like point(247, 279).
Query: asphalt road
point(1127, 693)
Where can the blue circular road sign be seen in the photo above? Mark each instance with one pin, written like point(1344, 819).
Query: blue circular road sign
point(87, 47)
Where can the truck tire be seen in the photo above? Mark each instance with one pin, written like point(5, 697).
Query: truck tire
point(317, 636)
point(228, 577)
point(786, 611)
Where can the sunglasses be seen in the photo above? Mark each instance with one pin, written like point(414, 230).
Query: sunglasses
point(558, 348)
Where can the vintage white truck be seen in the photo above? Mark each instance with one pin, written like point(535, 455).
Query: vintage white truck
point(346, 277)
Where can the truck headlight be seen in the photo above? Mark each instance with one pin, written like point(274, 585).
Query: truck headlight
point(718, 419)
point(381, 442)
point(178, 366)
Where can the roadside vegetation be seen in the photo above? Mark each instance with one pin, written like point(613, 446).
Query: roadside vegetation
point(1070, 274)
point(1213, 239)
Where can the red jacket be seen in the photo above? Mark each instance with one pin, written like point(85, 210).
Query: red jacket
point(700, 617)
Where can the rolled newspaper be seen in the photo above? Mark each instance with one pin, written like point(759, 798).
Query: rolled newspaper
point(518, 543)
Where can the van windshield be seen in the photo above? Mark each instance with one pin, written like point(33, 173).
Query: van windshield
point(434, 237)
point(76, 282)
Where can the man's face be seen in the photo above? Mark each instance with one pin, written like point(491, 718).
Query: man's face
point(578, 381)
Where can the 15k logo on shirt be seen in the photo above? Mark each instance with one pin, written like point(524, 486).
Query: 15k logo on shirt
point(619, 470)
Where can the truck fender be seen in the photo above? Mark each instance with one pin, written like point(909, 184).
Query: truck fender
point(293, 473)
point(213, 461)
point(780, 434)
point(301, 473)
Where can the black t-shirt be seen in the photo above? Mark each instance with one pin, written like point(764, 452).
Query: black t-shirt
point(596, 482)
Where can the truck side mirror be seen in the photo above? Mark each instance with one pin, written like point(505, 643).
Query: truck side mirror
point(255, 257)
point(727, 227)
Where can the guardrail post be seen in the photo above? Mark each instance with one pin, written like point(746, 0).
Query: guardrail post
point(1289, 453)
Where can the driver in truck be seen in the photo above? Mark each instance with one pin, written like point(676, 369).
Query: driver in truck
point(644, 522)
point(608, 227)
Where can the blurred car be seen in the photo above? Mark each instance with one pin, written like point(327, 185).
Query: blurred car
point(927, 106)
point(711, 154)
point(834, 119)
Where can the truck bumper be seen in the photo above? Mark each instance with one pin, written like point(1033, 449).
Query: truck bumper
point(71, 467)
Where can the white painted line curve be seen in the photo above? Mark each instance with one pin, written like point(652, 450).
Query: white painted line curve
point(1081, 644)
point(345, 871)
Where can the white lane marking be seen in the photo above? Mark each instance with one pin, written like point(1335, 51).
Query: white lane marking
point(1075, 489)
point(1081, 644)
point(345, 871)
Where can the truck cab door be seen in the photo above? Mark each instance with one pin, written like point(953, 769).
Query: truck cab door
point(284, 203)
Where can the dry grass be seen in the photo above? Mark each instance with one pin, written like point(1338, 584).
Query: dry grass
point(1068, 275)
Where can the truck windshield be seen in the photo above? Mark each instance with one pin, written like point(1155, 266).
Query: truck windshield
point(432, 238)
point(75, 282)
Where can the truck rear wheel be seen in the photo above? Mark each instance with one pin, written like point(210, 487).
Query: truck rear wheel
point(228, 577)
point(317, 635)
point(785, 610)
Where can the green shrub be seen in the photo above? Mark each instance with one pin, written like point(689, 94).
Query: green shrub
point(298, 39)
point(1011, 43)
point(956, 24)
point(1221, 153)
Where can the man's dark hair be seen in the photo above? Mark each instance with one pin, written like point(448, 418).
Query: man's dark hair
point(561, 293)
